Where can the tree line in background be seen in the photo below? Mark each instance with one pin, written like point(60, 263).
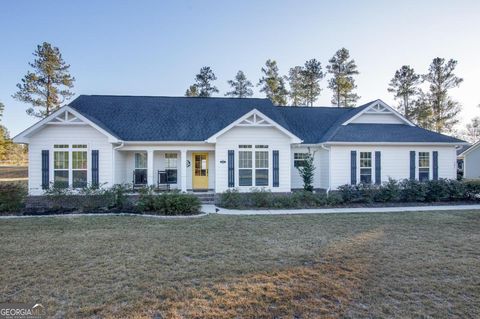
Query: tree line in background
point(303, 81)
point(48, 85)
point(10, 154)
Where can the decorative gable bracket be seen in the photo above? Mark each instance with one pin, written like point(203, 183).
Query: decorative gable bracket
point(66, 118)
point(254, 118)
point(379, 107)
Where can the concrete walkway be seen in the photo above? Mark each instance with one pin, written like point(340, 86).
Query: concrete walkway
point(213, 209)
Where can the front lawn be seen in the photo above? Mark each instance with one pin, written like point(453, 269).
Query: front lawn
point(304, 266)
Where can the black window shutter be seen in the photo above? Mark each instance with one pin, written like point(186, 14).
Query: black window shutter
point(45, 169)
point(276, 164)
point(378, 167)
point(95, 175)
point(412, 165)
point(353, 167)
point(231, 168)
point(435, 165)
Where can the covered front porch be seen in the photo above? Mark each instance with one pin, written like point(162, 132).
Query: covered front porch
point(186, 168)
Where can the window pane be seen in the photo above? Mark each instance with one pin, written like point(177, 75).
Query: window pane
point(365, 159)
point(79, 160)
point(60, 179)
point(171, 176)
point(366, 175)
point(244, 159)
point(423, 174)
point(140, 177)
point(170, 160)
point(261, 146)
point(261, 159)
point(79, 179)
point(261, 177)
point(299, 159)
point(60, 146)
point(244, 146)
point(140, 160)
point(79, 146)
point(423, 159)
point(245, 177)
point(60, 160)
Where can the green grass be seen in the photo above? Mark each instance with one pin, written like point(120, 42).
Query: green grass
point(340, 265)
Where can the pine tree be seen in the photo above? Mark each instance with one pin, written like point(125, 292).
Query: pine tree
point(443, 108)
point(472, 132)
point(342, 82)
point(241, 87)
point(311, 75)
point(203, 83)
point(404, 86)
point(273, 84)
point(47, 87)
point(295, 82)
point(192, 91)
point(307, 171)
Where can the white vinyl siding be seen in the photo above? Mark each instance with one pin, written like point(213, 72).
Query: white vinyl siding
point(472, 164)
point(51, 135)
point(232, 139)
point(395, 161)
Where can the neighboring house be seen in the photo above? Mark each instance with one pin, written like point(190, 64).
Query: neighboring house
point(471, 161)
point(460, 165)
point(218, 144)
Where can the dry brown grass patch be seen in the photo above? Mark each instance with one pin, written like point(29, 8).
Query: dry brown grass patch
point(322, 289)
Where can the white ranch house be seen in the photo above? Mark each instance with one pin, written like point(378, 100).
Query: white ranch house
point(215, 144)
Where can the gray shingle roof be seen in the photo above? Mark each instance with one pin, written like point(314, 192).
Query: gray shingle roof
point(144, 118)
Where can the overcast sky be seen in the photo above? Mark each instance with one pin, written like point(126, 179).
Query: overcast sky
point(156, 47)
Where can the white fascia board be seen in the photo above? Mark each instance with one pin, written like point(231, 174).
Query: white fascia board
point(23, 137)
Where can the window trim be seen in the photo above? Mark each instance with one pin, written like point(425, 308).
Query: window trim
point(430, 157)
point(168, 167)
point(295, 160)
point(253, 149)
point(69, 147)
point(372, 166)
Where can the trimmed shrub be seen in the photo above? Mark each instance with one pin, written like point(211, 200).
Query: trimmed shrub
point(436, 190)
point(361, 193)
point(261, 198)
point(412, 191)
point(168, 203)
point(231, 198)
point(472, 189)
point(12, 196)
point(457, 190)
point(388, 192)
point(306, 199)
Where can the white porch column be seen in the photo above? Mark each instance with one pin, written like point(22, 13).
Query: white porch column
point(150, 167)
point(183, 170)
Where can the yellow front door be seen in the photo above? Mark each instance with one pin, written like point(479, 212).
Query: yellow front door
point(200, 170)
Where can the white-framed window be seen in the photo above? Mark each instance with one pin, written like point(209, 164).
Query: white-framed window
point(70, 165)
point(171, 167)
point(423, 166)
point(253, 165)
point(61, 166)
point(245, 168)
point(79, 165)
point(261, 168)
point(299, 159)
point(366, 167)
point(140, 170)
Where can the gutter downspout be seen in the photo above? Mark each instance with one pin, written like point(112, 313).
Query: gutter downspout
point(329, 170)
